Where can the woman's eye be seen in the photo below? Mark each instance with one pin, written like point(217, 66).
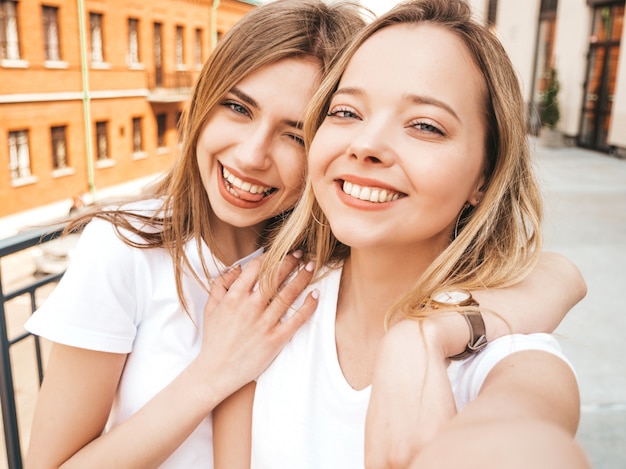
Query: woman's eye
point(342, 113)
point(426, 127)
point(296, 138)
point(236, 107)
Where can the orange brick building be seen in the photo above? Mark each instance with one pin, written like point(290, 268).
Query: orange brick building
point(128, 75)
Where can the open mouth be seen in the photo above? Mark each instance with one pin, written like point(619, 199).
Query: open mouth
point(243, 189)
point(370, 194)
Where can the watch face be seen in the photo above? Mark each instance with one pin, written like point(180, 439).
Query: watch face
point(453, 297)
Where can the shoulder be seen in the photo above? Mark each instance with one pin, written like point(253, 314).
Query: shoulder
point(468, 376)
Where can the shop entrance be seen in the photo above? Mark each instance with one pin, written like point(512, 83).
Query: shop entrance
point(602, 64)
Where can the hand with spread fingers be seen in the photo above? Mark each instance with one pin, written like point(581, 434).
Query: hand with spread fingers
point(243, 324)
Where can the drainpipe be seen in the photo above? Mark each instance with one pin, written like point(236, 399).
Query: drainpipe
point(216, 4)
point(86, 98)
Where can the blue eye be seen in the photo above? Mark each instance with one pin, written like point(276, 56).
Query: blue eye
point(342, 113)
point(426, 127)
point(236, 107)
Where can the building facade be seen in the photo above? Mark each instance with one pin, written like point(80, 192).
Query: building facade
point(91, 90)
point(581, 40)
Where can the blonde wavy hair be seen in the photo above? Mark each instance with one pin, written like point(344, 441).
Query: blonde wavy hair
point(275, 31)
point(498, 242)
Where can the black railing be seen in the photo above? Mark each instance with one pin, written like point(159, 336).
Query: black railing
point(9, 246)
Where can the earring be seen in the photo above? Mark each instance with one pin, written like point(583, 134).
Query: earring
point(458, 220)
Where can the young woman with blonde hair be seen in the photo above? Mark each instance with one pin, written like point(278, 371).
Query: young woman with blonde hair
point(137, 361)
point(420, 188)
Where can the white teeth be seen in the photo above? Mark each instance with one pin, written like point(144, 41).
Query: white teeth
point(244, 186)
point(370, 194)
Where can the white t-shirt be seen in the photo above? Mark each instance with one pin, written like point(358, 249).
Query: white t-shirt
point(307, 416)
point(120, 299)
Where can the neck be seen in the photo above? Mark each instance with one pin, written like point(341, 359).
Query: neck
point(233, 242)
point(373, 280)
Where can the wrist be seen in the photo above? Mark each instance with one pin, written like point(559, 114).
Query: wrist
point(448, 330)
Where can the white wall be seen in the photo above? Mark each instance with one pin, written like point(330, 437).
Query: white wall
point(516, 27)
point(573, 25)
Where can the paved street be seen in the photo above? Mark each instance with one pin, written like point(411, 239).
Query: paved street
point(585, 196)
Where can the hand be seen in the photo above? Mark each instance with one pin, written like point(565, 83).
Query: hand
point(243, 331)
point(411, 394)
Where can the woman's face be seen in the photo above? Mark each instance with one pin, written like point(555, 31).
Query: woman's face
point(250, 151)
point(401, 149)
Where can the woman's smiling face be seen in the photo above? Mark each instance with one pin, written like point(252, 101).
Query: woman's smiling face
point(402, 147)
point(250, 152)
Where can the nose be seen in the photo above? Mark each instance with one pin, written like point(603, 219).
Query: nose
point(254, 149)
point(371, 143)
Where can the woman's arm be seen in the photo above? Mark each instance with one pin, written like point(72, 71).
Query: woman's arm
point(525, 415)
point(242, 334)
point(537, 304)
point(232, 430)
point(394, 428)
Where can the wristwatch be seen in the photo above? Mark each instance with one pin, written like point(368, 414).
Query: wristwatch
point(461, 298)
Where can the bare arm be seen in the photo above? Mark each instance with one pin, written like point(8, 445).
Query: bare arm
point(232, 430)
point(393, 429)
point(538, 303)
point(525, 415)
point(242, 334)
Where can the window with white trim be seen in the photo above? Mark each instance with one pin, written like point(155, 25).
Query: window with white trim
point(97, 42)
point(19, 155)
point(102, 141)
point(137, 137)
point(133, 41)
point(9, 35)
point(180, 46)
point(51, 33)
point(161, 120)
point(59, 147)
point(198, 47)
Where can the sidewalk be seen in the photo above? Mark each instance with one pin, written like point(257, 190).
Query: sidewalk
point(585, 196)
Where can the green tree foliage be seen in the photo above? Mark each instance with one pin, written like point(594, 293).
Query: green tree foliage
point(549, 109)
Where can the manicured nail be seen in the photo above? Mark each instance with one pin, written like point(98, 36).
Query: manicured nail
point(315, 294)
point(310, 266)
point(297, 254)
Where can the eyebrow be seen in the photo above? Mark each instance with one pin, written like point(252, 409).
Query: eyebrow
point(246, 98)
point(414, 98)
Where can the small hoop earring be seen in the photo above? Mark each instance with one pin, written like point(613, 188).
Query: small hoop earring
point(317, 221)
point(458, 220)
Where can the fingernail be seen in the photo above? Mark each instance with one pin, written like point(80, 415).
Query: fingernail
point(315, 294)
point(297, 254)
point(310, 266)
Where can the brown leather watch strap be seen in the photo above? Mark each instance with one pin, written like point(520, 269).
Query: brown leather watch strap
point(478, 337)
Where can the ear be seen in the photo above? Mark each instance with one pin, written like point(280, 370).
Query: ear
point(477, 196)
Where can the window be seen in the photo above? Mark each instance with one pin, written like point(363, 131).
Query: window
point(59, 148)
point(95, 27)
point(102, 141)
point(137, 140)
point(9, 38)
point(158, 55)
point(198, 48)
point(51, 33)
point(161, 127)
point(180, 46)
point(133, 41)
point(19, 155)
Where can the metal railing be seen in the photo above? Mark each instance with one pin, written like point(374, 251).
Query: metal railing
point(8, 246)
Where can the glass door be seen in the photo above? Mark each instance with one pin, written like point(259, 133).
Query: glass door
point(600, 79)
